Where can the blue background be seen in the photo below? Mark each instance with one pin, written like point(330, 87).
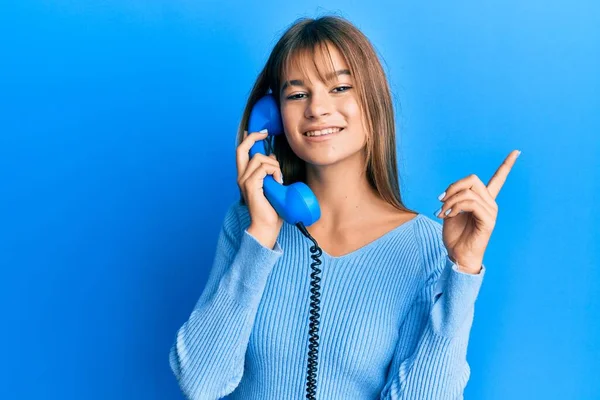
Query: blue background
point(117, 163)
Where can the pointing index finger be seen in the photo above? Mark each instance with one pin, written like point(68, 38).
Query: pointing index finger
point(497, 181)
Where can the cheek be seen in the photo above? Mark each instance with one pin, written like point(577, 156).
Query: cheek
point(351, 110)
point(289, 118)
point(354, 117)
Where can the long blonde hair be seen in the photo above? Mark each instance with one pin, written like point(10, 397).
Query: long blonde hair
point(305, 37)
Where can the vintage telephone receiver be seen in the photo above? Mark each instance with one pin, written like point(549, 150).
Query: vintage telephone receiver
point(297, 205)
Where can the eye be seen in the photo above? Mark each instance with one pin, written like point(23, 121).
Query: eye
point(295, 96)
point(343, 87)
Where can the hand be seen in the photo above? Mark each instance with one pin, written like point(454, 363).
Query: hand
point(468, 227)
point(265, 222)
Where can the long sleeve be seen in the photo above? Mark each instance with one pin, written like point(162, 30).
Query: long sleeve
point(208, 354)
point(430, 362)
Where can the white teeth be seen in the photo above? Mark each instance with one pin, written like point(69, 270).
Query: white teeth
point(322, 132)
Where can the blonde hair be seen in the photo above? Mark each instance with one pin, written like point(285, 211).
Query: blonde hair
point(303, 38)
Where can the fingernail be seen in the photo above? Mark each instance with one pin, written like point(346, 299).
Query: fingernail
point(437, 212)
point(264, 131)
point(448, 211)
point(441, 196)
point(519, 153)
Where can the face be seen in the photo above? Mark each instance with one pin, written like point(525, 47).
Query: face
point(308, 105)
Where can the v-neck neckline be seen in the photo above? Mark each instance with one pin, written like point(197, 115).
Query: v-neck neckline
point(365, 247)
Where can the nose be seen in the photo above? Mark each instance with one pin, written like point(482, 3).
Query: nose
point(318, 105)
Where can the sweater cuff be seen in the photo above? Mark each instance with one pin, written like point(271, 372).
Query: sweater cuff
point(454, 299)
point(246, 279)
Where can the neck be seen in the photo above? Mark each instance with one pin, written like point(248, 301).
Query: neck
point(343, 191)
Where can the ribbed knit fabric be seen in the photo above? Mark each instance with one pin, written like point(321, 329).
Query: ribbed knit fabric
point(395, 318)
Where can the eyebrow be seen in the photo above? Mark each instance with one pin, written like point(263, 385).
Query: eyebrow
point(299, 82)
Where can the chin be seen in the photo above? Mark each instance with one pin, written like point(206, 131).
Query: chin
point(324, 159)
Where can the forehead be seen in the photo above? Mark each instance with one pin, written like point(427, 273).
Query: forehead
point(319, 62)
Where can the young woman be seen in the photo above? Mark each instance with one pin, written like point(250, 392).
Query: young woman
point(397, 288)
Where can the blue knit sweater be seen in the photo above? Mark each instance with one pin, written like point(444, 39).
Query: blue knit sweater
point(395, 318)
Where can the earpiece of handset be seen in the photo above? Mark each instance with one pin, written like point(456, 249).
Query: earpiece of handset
point(296, 202)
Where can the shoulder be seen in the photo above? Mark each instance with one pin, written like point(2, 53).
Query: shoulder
point(430, 244)
point(426, 228)
point(237, 216)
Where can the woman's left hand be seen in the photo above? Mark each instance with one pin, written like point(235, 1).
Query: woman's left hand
point(473, 210)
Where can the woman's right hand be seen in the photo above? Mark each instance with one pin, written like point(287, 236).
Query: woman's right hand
point(265, 222)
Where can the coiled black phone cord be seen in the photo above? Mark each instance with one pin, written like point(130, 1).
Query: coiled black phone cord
point(311, 371)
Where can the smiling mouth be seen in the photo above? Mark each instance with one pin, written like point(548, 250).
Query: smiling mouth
point(323, 132)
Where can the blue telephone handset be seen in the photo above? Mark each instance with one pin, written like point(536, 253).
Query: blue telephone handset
point(296, 202)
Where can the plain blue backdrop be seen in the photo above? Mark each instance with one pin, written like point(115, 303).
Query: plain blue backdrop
point(117, 164)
